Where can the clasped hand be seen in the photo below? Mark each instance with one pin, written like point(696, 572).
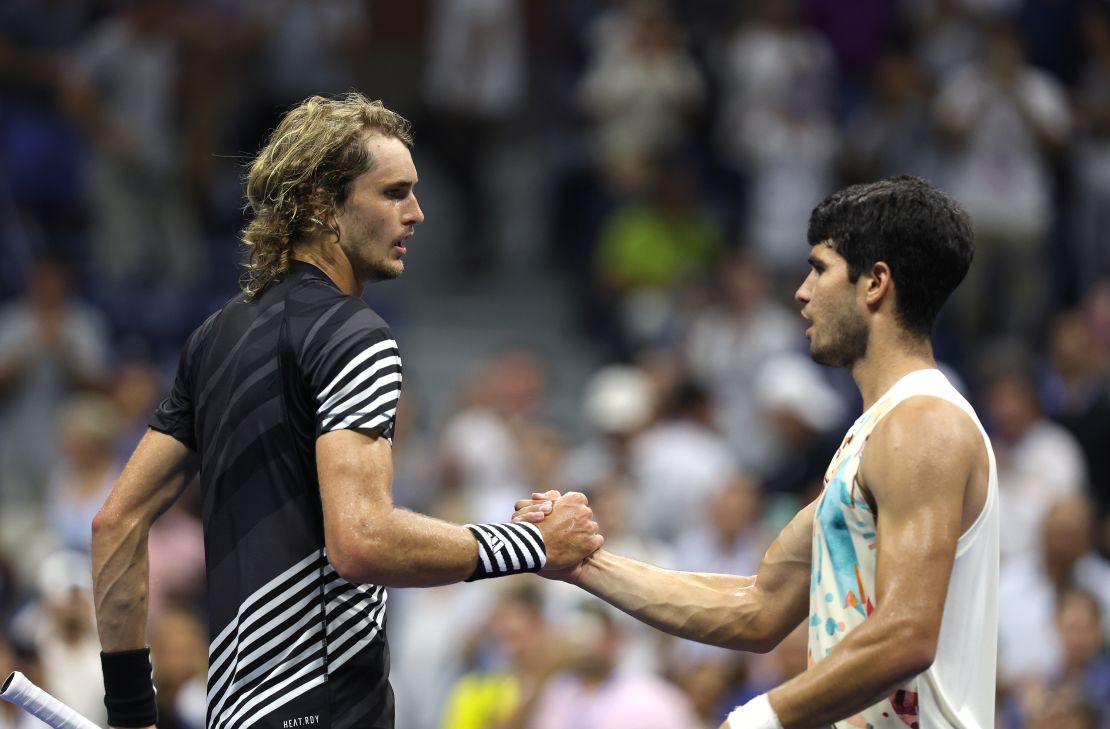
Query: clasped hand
point(569, 530)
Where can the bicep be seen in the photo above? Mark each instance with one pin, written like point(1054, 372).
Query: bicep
point(355, 470)
point(784, 574)
point(917, 468)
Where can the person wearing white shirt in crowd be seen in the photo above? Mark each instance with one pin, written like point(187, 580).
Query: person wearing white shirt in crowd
point(1005, 121)
point(1039, 462)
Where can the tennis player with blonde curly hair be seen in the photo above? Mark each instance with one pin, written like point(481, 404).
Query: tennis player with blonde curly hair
point(285, 402)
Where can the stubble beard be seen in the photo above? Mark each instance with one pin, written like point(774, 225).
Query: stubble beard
point(383, 268)
point(850, 338)
point(386, 272)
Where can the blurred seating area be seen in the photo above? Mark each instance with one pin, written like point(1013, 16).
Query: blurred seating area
point(620, 190)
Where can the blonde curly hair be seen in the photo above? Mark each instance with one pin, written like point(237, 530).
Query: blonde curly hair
point(303, 176)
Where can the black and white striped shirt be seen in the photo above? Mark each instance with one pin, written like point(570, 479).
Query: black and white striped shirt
point(292, 644)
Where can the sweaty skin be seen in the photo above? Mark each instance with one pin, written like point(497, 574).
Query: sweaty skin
point(926, 469)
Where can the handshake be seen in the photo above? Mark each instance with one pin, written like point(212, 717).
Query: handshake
point(569, 531)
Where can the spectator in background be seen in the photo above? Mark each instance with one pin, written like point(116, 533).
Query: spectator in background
point(652, 247)
point(1076, 393)
point(789, 152)
point(61, 628)
point(617, 405)
point(728, 539)
point(946, 38)
point(474, 90)
point(1007, 123)
point(50, 346)
point(1031, 588)
point(1063, 707)
point(640, 91)
point(136, 389)
point(120, 86)
point(733, 543)
point(1039, 462)
point(179, 653)
point(775, 127)
point(593, 694)
point(40, 180)
point(858, 32)
point(1083, 635)
point(785, 661)
point(771, 58)
point(430, 652)
point(295, 48)
point(679, 464)
point(728, 341)
point(1078, 693)
point(86, 471)
point(503, 693)
point(176, 556)
point(1091, 155)
point(1082, 629)
point(707, 682)
point(11, 591)
point(801, 412)
point(891, 133)
point(480, 450)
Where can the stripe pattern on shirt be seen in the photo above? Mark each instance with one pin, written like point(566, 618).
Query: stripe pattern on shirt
point(274, 649)
point(365, 392)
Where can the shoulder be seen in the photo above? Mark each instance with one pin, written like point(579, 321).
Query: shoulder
point(923, 438)
point(318, 314)
point(923, 423)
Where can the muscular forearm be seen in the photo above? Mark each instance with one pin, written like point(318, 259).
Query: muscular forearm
point(120, 581)
point(722, 610)
point(404, 549)
point(869, 664)
point(157, 473)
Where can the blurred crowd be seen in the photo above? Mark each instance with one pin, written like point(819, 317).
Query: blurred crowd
point(683, 145)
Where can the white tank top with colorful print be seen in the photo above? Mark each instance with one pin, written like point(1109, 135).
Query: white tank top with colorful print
point(958, 690)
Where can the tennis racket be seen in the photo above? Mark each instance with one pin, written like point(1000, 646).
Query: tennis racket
point(19, 690)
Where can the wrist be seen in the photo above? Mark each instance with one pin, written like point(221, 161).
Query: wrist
point(129, 688)
point(756, 714)
point(507, 549)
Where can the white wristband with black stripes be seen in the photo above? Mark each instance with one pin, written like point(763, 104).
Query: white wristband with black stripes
point(507, 549)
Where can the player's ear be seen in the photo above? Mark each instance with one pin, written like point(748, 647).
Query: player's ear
point(879, 283)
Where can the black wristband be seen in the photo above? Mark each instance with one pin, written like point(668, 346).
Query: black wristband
point(129, 688)
point(507, 549)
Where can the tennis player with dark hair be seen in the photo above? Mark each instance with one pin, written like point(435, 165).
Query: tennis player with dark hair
point(284, 402)
point(894, 568)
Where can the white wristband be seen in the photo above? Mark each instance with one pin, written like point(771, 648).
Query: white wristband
point(756, 714)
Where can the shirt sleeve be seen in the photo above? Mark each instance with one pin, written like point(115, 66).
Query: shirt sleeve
point(353, 368)
point(175, 414)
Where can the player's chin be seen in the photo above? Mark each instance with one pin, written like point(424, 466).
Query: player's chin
point(388, 270)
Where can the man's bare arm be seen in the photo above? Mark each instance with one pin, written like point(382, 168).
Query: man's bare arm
point(918, 465)
point(370, 540)
point(157, 473)
point(744, 613)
